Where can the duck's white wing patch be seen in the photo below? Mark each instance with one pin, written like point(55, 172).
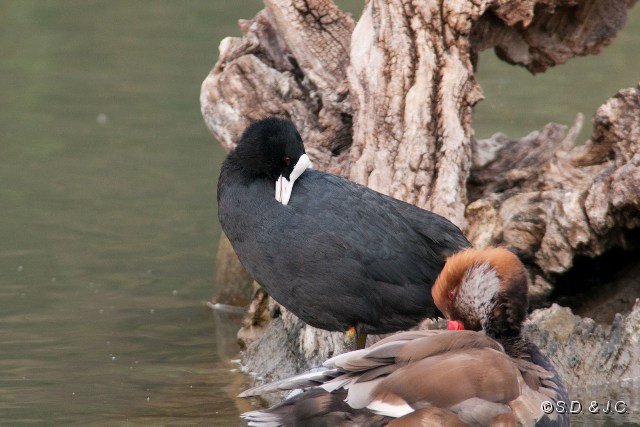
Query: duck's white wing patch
point(341, 360)
point(360, 395)
point(261, 419)
point(387, 409)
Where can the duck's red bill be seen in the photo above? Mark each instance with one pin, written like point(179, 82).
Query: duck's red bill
point(454, 325)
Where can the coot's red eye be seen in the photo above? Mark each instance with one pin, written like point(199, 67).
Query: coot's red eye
point(287, 161)
point(452, 295)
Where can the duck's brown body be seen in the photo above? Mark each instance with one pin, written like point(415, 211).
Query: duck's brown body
point(462, 376)
point(491, 376)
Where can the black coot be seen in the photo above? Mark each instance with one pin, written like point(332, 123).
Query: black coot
point(337, 254)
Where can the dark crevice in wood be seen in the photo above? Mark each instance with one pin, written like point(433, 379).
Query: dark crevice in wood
point(602, 286)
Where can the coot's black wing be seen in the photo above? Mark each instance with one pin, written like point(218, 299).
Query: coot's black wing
point(339, 253)
point(445, 237)
point(397, 242)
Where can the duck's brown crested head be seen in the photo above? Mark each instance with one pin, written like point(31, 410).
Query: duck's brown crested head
point(484, 289)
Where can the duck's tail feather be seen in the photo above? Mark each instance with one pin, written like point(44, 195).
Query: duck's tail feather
point(262, 419)
point(314, 407)
point(306, 380)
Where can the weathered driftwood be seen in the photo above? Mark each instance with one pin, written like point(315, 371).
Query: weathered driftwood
point(541, 34)
point(525, 199)
point(410, 88)
point(291, 61)
point(232, 284)
point(551, 200)
point(597, 362)
point(388, 103)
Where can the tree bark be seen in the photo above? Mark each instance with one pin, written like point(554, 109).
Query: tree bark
point(388, 103)
point(551, 200)
point(597, 362)
point(291, 61)
point(405, 109)
point(232, 284)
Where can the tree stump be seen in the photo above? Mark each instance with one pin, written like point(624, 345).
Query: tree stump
point(388, 103)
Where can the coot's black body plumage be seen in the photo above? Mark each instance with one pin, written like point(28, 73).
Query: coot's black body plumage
point(339, 254)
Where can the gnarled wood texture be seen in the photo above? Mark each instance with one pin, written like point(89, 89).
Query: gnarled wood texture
point(388, 103)
point(551, 200)
point(596, 362)
point(291, 61)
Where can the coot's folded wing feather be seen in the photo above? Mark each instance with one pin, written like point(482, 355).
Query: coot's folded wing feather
point(446, 237)
point(394, 242)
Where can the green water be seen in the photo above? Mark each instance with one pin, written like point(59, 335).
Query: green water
point(108, 223)
point(517, 102)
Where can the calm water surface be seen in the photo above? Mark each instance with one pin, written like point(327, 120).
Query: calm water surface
point(108, 220)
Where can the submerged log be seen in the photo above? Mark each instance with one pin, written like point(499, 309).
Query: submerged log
point(388, 103)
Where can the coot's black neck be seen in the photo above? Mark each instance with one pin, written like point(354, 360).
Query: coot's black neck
point(244, 163)
point(232, 173)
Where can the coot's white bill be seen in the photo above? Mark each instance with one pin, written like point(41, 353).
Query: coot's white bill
point(284, 186)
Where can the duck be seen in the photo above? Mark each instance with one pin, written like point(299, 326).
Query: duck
point(480, 371)
point(338, 255)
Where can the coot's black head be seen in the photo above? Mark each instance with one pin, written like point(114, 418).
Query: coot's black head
point(270, 147)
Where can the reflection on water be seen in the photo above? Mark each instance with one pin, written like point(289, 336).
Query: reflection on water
point(107, 206)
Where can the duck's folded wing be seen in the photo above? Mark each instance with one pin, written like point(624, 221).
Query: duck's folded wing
point(411, 346)
point(434, 344)
point(476, 384)
point(541, 383)
point(379, 360)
